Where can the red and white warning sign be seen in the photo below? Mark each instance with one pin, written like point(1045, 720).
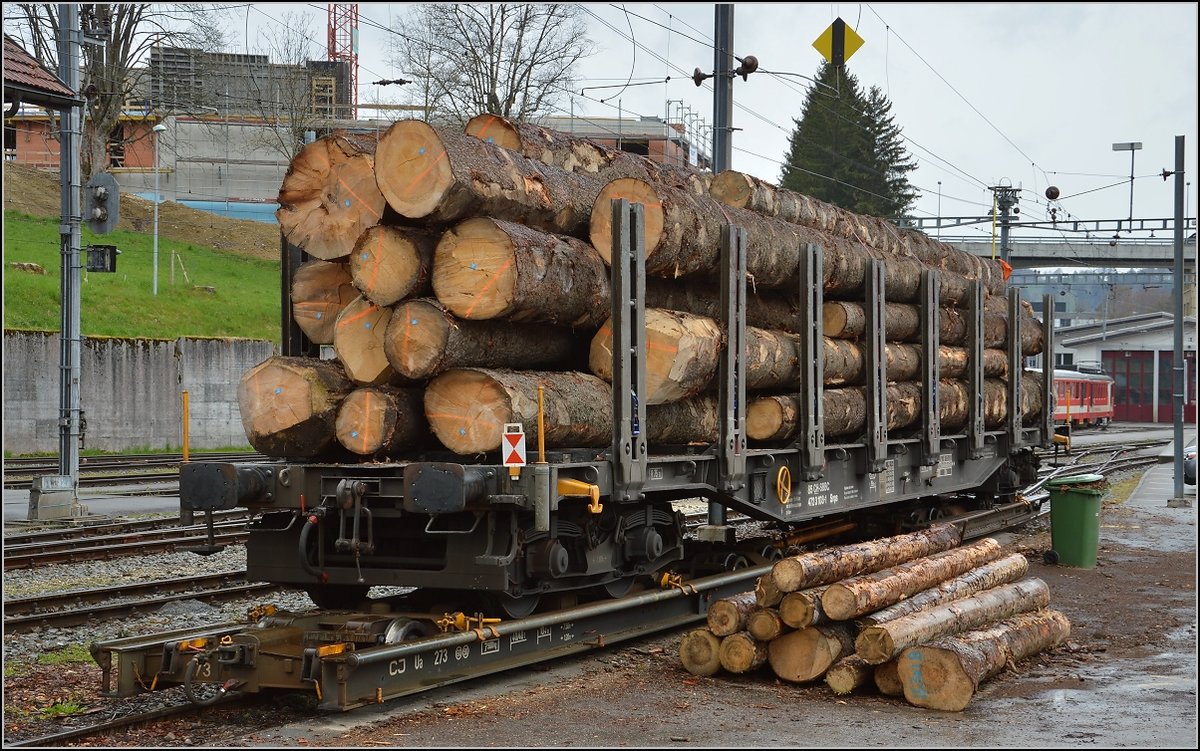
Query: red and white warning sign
point(512, 447)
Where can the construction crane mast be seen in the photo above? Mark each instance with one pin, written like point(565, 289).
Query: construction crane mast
point(343, 44)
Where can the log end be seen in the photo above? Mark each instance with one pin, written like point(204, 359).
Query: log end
point(934, 678)
point(699, 652)
point(764, 419)
point(320, 291)
point(412, 168)
point(731, 188)
point(474, 269)
point(635, 191)
point(363, 421)
point(467, 410)
point(494, 129)
point(386, 265)
point(838, 602)
point(415, 342)
point(358, 340)
point(874, 645)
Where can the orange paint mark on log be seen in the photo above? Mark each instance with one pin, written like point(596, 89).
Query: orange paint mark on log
point(422, 174)
point(364, 203)
point(486, 287)
point(366, 423)
point(352, 319)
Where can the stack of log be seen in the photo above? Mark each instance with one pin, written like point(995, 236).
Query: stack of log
point(918, 615)
point(454, 273)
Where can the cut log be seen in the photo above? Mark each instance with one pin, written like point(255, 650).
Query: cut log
point(764, 624)
point(848, 674)
point(741, 653)
point(700, 652)
point(329, 196)
point(468, 408)
point(289, 404)
point(391, 263)
point(683, 239)
point(887, 678)
point(843, 319)
point(946, 673)
point(575, 154)
point(859, 595)
point(320, 291)
point(693, 420)
point(728, 615)
point(681, 354)
point(740, 190)
point(1003, 571)
point(423, 339)
point(489, 268)
point(443, 176)
point(802, 608)
point(834, 564)
point(883, 641)
point(358, 338)
point(766, 594)
point(805, 655)
point(381, 420)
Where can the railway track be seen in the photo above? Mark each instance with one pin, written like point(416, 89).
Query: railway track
point(104, 547)
point(112, 469)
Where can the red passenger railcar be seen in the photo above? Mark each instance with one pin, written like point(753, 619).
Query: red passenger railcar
point(1082, 399)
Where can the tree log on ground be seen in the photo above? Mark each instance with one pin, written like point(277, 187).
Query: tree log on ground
point(320, 291)
point(329, 196)
point(743, 191)
point(381, 420)
point(289, 405)
point(883, 641)
point(423, 339)
point(849, 673)
point(766, 594)
point(391, 263)
point(887, 678)
point(764, 624)
point(442, 176)
point(826, 566)
point(467, 408)
point(700, 652)
point(575, 154)
point(683, 234)
point(728, 615)
point(805, 655)
point(741, 653)
point(489, 268)
point(802, 608)
point(858, 595)
point(994, 574)
point(358, 338)
point(946, 673)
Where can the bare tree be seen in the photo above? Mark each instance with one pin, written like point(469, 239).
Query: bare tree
point(508, 59)
point(113, 71)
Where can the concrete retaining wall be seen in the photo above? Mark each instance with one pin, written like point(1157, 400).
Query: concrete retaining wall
point(130, 391)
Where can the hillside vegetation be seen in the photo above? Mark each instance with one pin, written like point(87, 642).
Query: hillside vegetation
point(226, 271)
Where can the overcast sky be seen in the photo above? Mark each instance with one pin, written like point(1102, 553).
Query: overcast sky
point(986, 94)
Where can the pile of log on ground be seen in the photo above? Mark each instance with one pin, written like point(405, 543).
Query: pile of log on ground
point(453, 273)
point(919, 615)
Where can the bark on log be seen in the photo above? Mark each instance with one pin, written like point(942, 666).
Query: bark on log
point(320, 291)
point(443, 176)
point(764, 624)
point(683, 239)
point(693, 420)
point(887, 678)
point(489, 268)
point(728, 615)
point(849, 673)
point(329, 196)
point(741, 653)
point(802, 608)
point(946, 673)
point(467, 408)
point(994, 574)
point(681, 354)
point(381, 420)
point(391, 263)
point(766, 594)
point(289, 404)
point(358, 338)
point(740, 190)
point(805, 655)
point(423, 339)
point(700, 652)
point(843, 319)
point(882, 642)
point(834, 564)
point(575, 154)
point(859, 595)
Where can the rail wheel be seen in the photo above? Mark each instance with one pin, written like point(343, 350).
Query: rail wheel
point(619, 587)
point(516, 607)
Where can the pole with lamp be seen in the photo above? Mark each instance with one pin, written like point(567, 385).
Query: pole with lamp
point(1132, 147)
point(157, 130)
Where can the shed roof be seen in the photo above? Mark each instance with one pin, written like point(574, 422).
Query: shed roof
point(27, 80)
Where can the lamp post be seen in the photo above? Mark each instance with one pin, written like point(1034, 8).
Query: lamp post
point(157, 130)
point(1132, 147)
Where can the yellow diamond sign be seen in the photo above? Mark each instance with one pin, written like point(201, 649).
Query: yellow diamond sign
point(838, 43)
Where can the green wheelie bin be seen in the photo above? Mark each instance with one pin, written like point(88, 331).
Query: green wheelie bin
point(1075, 519)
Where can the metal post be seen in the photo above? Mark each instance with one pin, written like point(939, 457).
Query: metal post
point(186, 420)
point(722, 154)
point(156, 131)
point(1006, 199)
point(1177, 382)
